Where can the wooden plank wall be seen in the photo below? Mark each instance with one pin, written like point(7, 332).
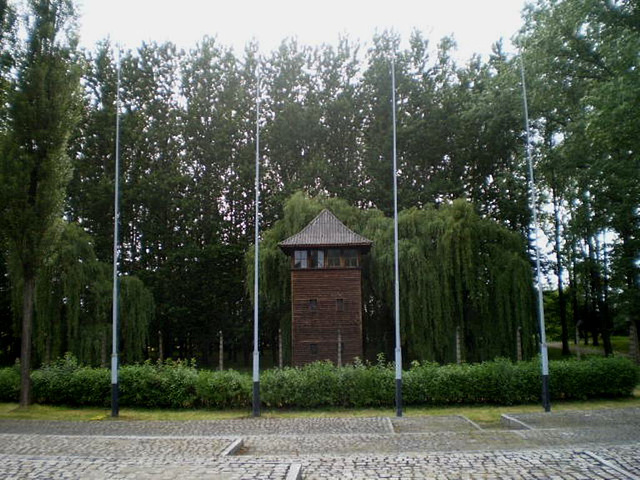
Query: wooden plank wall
point(315, 332)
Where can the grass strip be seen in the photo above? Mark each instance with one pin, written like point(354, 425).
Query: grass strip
point(484, 415)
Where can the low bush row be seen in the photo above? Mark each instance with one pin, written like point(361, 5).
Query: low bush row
point(176, 384)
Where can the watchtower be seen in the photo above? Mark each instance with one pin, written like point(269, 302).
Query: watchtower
point(326, 291)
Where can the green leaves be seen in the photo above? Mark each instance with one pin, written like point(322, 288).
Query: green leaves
point(456, 270)
point(323, 385)
point(582, 67)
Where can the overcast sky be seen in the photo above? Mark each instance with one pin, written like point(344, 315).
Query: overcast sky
point(476, 24)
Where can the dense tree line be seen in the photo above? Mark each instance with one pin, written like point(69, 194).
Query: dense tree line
point(582, 60)
point(187, 151)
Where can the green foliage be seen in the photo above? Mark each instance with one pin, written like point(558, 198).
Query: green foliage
point(72, 300)
point(321, 384)
point(187, 151)
point(162, 385)
point(9, 384)
point(73, 304)
point(552, 323)
point(314, 385)
point(457, 269)
point(593, 377)
point(35, 166)
point(506, 383)
point(67, 382)
point(225, 389)
point(582, 68)
point(365, 385)
point(137, 309)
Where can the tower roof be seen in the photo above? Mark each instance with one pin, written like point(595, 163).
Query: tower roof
point(325, 231)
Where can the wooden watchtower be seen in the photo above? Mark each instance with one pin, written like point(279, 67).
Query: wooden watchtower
point(326, 291)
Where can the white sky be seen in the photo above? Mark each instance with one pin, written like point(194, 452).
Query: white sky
point(476, 24)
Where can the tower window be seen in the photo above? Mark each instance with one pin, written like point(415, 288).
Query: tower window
point(300, 259)
point(333, 257)
point(317, 259)
point(350, 257)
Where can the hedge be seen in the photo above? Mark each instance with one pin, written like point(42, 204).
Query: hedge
point(180, 385)
point(10, 384)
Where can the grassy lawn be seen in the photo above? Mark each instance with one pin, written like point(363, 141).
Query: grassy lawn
point(485, 415)
point(620, 346)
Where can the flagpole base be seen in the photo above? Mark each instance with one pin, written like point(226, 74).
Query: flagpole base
point(546, 400)
point(256, 399)
point(115, 407)
point(398, 397)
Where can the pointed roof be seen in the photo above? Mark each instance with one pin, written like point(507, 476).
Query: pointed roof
point(325, 231)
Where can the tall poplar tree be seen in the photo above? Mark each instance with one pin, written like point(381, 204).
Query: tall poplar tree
point(7, 47)
point(35, 165)
point(583, 58)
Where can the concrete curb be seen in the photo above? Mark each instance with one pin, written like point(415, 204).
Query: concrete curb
point(232, 448)
point(478, 427)
point(514, 423)
point(390, 425)
point(294, 472)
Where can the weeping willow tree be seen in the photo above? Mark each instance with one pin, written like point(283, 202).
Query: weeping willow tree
point(73, 304)
point(68, 309)
point(137, 309)
point(458, 273)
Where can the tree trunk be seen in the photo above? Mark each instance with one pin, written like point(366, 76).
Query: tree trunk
point(220, 351)
point(160, 347)
point(280, 360)
point(562, 303)
point(603, 298)
point(593, 304)
point(634, 351)
point(25, 351)
point(573, 285)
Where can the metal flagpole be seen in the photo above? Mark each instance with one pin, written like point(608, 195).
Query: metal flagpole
point(398, 351)
point(116, 235)
point(546, 403)
point(256, 352)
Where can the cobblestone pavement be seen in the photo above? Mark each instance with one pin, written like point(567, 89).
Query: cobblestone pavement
point(570, 445)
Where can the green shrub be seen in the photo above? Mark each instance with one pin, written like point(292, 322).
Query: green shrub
point(179, 381)
point(280, 387)
point(9, 384)
point(592, 377)
point(319, 385)
point(90, 386)
point(419, 383)
point(162, 385)
point(52, 383)
point(176, 384)
point(311, 386)
point(140, 385)
point(225, 389)
point(367, 386)
point(506, 383)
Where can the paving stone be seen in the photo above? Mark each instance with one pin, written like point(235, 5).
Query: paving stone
point(559, 447)
point(581, 418)
point(448, 423)
point(248, 426)
point(52, 445)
